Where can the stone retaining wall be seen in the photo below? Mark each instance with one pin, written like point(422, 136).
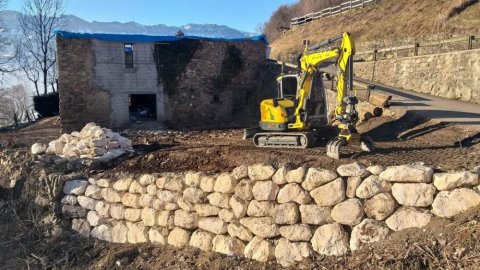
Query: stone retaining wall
point(451, 75)
point(265, 213)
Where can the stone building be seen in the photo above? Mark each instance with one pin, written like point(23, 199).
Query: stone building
point(117, 80)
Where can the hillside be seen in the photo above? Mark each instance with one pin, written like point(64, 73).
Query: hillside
point(389, 22)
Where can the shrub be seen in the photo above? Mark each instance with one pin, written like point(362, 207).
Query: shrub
point(47, 105)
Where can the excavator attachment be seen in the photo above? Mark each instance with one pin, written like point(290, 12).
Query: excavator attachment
point(335, 145)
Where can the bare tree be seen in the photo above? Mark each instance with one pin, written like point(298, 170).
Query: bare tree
point(39, 20)
point(5, 62)
point(15, 103)
point(28, 65)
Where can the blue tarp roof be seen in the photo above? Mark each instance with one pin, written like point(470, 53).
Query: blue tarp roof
point(146, 38)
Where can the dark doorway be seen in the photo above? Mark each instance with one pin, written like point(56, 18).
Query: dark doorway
point(142, 107)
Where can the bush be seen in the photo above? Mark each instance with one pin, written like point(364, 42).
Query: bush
point(47, 105)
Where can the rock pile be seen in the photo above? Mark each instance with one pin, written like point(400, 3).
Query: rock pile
point(266, 213)
point(93, 142)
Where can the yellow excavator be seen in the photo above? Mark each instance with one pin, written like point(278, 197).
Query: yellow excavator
point(298, 114)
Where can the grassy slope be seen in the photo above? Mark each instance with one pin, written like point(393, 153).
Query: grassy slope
point(390, 22)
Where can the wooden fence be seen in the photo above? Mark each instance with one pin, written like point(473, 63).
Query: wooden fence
point(463, 43)
point(349, 5)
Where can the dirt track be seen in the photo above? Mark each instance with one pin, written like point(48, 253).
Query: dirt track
point(434, 144)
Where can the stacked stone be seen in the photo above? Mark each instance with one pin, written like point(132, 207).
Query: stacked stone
point(92, 142)
point(265, 213)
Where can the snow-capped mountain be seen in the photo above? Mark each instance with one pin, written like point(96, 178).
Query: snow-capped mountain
point(9, 22)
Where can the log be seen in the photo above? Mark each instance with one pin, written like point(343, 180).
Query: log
point(368, 111)
point(380, 100)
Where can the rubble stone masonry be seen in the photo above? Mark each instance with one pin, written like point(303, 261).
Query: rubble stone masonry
point(452, 75)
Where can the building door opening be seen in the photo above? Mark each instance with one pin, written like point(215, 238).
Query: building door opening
point(142, 107)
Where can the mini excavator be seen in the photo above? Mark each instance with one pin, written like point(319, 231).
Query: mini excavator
point(298, 114)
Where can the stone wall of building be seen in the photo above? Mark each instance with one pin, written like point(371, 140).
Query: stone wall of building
point(452, 75)
point(264, 213)
point(95, 85)
point(81, 101)
point(196, 101)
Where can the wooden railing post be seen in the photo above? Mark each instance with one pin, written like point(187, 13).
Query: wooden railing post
point(375, 55)
point(351, 4)
point(470, 42)
point(415, 49)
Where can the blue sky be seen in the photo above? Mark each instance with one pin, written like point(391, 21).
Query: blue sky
point(243, 15)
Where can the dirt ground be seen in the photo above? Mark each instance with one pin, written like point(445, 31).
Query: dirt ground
point(35, 243)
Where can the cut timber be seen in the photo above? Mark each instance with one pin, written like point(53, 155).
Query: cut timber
point(380, 100)
point(368, 111)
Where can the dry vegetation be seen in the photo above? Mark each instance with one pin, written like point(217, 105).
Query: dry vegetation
point(390, 22)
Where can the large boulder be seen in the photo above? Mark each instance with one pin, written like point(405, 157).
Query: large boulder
point(94, 219)
point(206, 210)
point(405, 218)
point(293, 192)
point(228, 245)
point(120, 232)
point(243, 190)
point(218, 199)
point(240, 172)
point(414, 173)
point(186, 220)
point(260, 250)
point(317, 177)
point(38, 148)
point(330, 240)
point(289, 253)
point(236, 230)
point(111, 195)
point(260, 172)
point(450, 203)
point(179, 237)
point(122, 184)
point(353, 182)
point(69, 199)
point(207, 183)
point(137, 233)
point(202, 240)
point(354, 169)
point(296, 175)
point(158, 235)
point(279, 176)
point(296, 232)
point(239, 206)
point(213, 224)
point(367, 232)
point(131, 200)
point(225, 183)
point(74, 211)
point(75, 187)
point(349, 212)
point(265, 191)
point(380, 206)
point(117, 211)
point(149, 216)
point(93, 192)
point(447, 181)
point(375, 169)
point(260, 209)
point(194, 195)
point(412, 194)
point(165, 219)
point(371, 186)
point(81, 226)
point(102, 232)
point(147, 179)
point(133, 215)
point(286, 213)
point(263, 227)
point(192, 179)
point(315, 214)
point(329, 194)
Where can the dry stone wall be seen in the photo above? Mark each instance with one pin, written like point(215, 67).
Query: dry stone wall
point(266, 213)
